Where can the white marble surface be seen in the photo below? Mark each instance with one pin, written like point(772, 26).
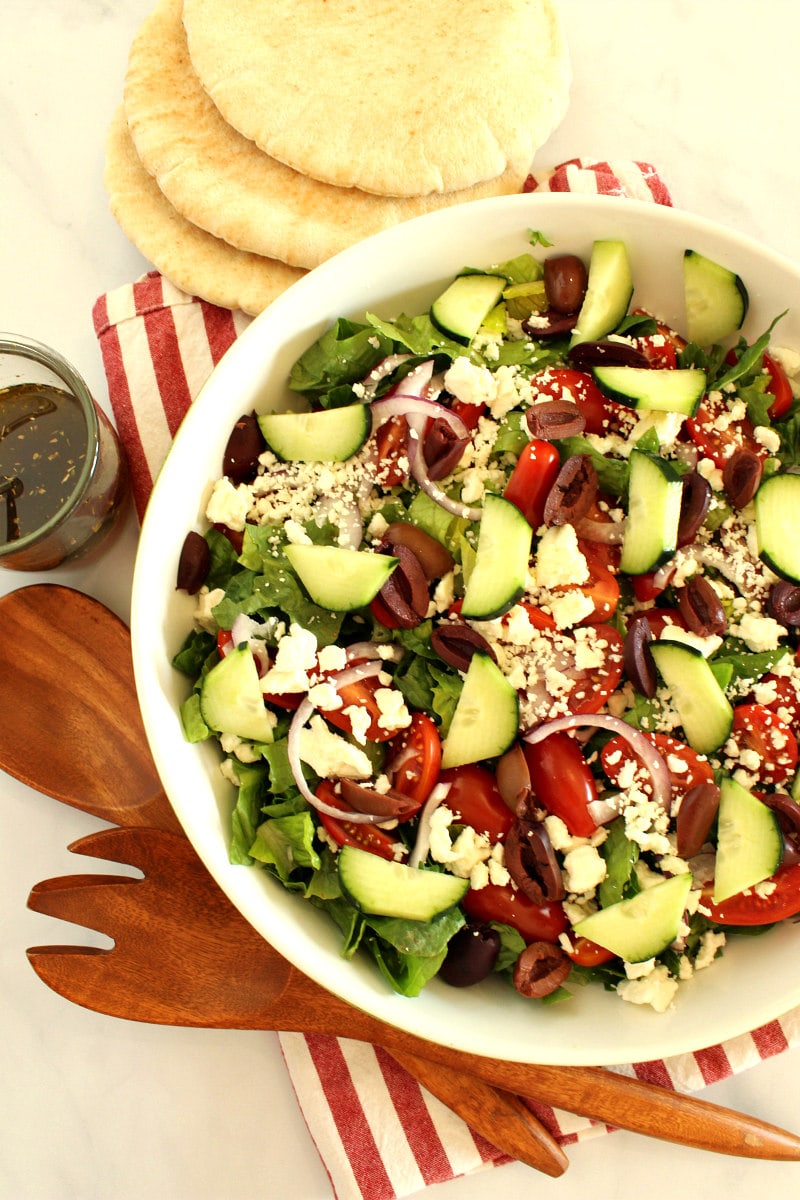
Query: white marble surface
point(97, 1109)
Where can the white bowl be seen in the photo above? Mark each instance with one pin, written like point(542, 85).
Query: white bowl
point(402, 269)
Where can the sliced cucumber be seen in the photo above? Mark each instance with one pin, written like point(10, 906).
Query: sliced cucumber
point(330, 435)
point(498, 577)
point(640, 928)
point(679, 390)
point(608, 292)
point(340, 579)
point(486, 717)
point(749, 841)
point(704, 710)
point(463, 306)
point(716, 299)
point(777, 503)
point(391, 889)
point(654, 510)
point(231, 700)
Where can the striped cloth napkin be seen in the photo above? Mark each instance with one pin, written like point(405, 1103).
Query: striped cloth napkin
point(379, 1134)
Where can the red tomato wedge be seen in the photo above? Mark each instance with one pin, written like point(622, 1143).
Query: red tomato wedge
point(562, 781)
point(534, 922)
point(752, 909)
point(532, 478)
point(475, 799)
point(414, 759)
point(758, 728)
point(351, 833)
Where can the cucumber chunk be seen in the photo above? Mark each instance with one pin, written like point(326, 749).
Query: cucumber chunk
point(716, 299)
point(608, 292)
point(497, 579)
point(486, 717)
point(654, 510)
point(777, 503)
point(330, 435)
point(463, 306)
point(391, 889)
point(705, 712)
point(679, 390)
point(231, 700)
point(640, 928)
point(749, 841)
point(337, 578)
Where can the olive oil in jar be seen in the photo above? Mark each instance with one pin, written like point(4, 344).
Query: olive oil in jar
point(43, 447)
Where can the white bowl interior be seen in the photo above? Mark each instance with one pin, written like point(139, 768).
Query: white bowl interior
point(402, 269)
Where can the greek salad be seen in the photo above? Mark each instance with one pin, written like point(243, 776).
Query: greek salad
point(498, 636)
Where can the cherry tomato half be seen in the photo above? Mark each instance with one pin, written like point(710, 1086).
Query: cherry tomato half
point(602, 415)
point(391, 440)
point(562, 781)
point(475, 799)
point(360, 694)
point(585, 953)
point(353, 833)
point(717, 435)
point(758, 728)
point(686, 768)
point(532, 478)
point(778, 387)
point(501, 903)
point(415, 757)
point(752, 909)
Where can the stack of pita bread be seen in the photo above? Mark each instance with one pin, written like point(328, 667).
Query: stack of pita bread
point(257, 138)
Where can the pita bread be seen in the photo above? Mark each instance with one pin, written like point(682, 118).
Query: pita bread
point(192, 259)
point(222, 181)
point(396, 97)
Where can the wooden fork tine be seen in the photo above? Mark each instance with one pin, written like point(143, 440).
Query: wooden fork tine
point(85, 900)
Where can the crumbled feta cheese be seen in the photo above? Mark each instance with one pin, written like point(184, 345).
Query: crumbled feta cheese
point(392, 708)
point(331, 756)
point(559, 561)
point(758, 632)
point(656, 989)
point(206, 600)
point(711, 943)
point(584, 869)
point(228, 504)
point(296, 656)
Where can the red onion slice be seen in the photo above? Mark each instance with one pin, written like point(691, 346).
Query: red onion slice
point(423, 843)
point(419, 470)
point(363, 670)
point(610, 533)
point(641, 746)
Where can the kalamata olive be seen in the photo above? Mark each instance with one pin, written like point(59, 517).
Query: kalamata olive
point(541, 969)
point(565, 279)
point(405, 592)
point(783, 603)
point(441, 449)
point(194, 563)
point(695, 817)
point(701, 607)
point(471, 955)
point(741, 477)
point(550, 324)
point(531, 862)
point(455, 642)
point(639, 664)
point(434, 558)
point(513, 777)
point(573, 492)
point(246, 443)
point(695, 503)
point(389, 804)
point(585, 355)
point(551, 419)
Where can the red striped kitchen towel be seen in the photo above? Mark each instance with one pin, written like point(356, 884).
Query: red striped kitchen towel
point(379, 1134)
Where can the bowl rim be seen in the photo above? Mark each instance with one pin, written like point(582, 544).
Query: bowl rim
point(558, 1038)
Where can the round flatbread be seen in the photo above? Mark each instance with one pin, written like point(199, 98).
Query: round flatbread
point(397, 97)
point(192, 259)
point(222, 181)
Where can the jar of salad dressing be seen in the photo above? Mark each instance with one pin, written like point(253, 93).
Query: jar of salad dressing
point(63, 476)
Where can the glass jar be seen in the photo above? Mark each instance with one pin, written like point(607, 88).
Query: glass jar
point(63, 475)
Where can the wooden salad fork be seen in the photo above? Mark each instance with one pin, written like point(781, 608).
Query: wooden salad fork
point(183, 954)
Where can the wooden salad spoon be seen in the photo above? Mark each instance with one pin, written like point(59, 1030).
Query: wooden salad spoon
point(182, 960)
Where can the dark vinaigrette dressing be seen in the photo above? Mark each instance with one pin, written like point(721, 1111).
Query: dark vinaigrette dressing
point(43, 446)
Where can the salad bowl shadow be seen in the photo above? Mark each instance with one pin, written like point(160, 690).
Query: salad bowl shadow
point(403, 269)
